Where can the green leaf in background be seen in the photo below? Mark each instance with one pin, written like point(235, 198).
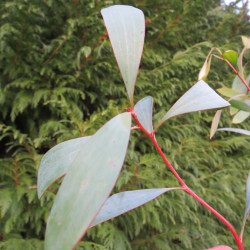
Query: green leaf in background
point(235, 130)
point(56, 162)
point(123, 202)
point(228, 92)
point(240, 117)
point(215, 123)
point(199, 97)
point(246, 41)
point(126, 29)
point(240, 105)
point(247, 210)
point(231, 56)
point(144, 110)
point(88, 183)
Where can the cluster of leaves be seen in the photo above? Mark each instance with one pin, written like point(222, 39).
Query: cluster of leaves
point(60, 81)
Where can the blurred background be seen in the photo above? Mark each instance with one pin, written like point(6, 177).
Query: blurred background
point(59, 80)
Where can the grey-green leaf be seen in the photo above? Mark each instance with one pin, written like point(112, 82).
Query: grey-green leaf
point(199, 97)
point(88, 183)
point(56, 162)
point(247, 211)
point(235, 130)
point(215, 123)
point(240, 117)
point(123, 202)
point(144, 110)
point(126, 29)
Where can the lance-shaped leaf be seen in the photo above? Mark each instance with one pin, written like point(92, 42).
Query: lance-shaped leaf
point(240, 117)
point(246, 41)
point(126, 29)
point(199, 97)
point(123, 202)
point(228, 92)
point(235, 130)
point(247, 210)
point(231, 56)
point(215, 123)
point(88, 183)
point(56, 162)
point(144, 110)
point(240, 105)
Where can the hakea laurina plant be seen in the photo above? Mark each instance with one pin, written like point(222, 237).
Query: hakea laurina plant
point(239, 94)
point(92, 164)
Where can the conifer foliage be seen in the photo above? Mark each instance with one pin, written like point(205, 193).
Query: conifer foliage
point(59, 81)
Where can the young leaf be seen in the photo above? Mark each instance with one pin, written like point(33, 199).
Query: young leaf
point(228, 92)
point(126, 29)
point(88, 183)
point(56, 162)
point(246, 41)
point(240, 117)
point(240, 105)
point(199, 97)
point(123, 202)
point(236, 130)
point(231, 56)
point(215, 123)
point(144, 110)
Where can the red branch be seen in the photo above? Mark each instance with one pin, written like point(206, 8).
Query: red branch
point(184, 186)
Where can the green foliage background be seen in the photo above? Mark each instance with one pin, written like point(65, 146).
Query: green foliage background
point(59, 80)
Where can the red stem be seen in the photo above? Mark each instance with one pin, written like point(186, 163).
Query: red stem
point(234, 70)
point(184, 186)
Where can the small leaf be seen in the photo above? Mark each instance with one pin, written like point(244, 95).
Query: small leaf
point(239, 85)
point(123, 202)
point(236, 130)
point(246, 41)
point(240, 105)
point(233, 110)
point(126, 29)
point(215, 123)
point(56, 162)
point(247, 211)
point(199, 97)
point(205, 68)
point(88, 183)
point(228, 92)
point(144, 110)
point(240, 117)
point(231, 56)
point(220, 247)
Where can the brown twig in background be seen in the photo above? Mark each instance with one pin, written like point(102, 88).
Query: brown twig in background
point(55, 51)
point(20, 40)
point(15, 172)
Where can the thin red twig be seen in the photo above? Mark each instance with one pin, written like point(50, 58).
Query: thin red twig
point(184, 186)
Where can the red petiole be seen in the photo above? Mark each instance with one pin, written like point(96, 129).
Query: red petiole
point(151, 136)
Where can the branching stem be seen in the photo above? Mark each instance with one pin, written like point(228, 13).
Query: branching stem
point(151, 136)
